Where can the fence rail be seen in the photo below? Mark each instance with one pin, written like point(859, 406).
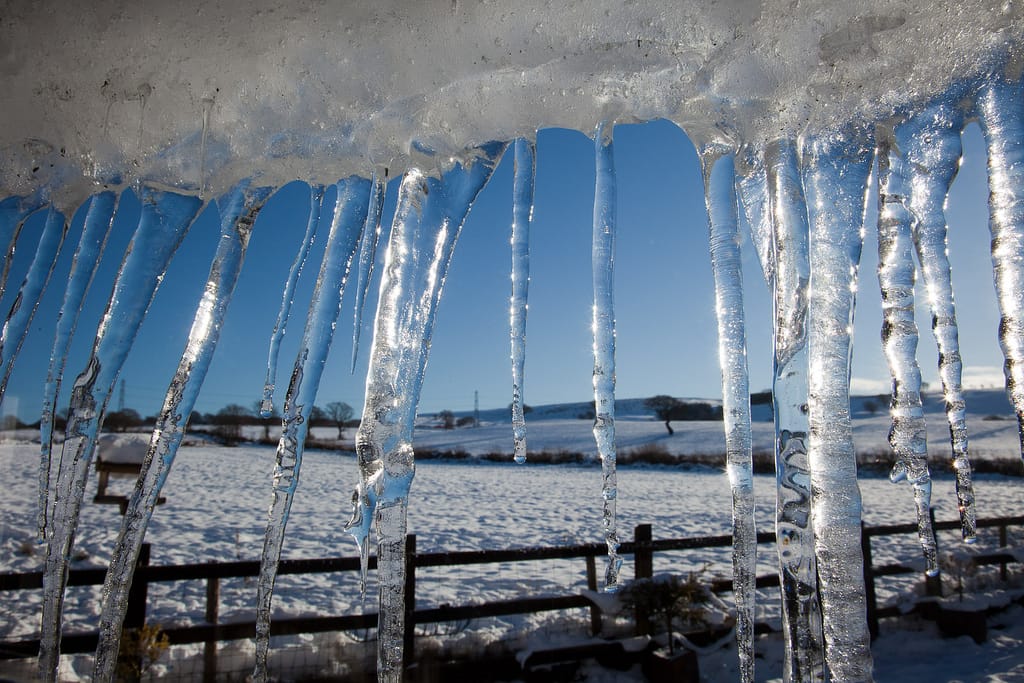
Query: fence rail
point(643, 548)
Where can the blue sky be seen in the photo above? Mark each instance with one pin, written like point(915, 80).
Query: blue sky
point(666, 330)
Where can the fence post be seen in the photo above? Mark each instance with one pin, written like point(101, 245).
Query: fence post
point(869, 582)
point(135, 614)
point(643, 566)
point(212, 615)
point(933, 584)
point(409, 639)
point(595, 613)
point(1002, 544)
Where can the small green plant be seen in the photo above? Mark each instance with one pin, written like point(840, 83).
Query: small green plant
point(670, 600)
point(141, 648)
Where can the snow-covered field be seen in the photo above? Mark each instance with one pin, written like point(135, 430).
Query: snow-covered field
point(216, 509)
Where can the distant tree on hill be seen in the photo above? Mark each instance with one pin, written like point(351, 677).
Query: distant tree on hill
point(229, 421)
point(672, 409)
point(339, 412)
point(666, 408)
point(122, 420)
point(466, 421)
point(447, 419)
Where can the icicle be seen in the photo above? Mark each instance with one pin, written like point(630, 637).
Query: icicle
point(163, 223)
point(99, 218)
point(367, 255)
point(238, 213)
point(522, 215)
point(720, 198)
point(13, 212)
point(15, 327)
point(908, 435)
point(932, 146)
point(603, 263)
point(349, 217)
point(773, 200)
point(426, 227)
point(1001, 108)
point(316, 199)
point(836, 171)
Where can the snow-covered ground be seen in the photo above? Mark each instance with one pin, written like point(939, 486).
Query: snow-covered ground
point(216, 510)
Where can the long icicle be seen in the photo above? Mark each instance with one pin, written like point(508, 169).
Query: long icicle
point(349, 216)
point(15, 327)
point(14, 211)
point(368, 244)
point(1001, 109)
point(790, 249)
point(908, 436)
point(724, 240)
point(316, 199)
point(238, 211)
point(163, 222)
point(836, 171)
point(425, 230)
point(932, 145)
point(522, 215)
point(99, 219)
point(603, 264)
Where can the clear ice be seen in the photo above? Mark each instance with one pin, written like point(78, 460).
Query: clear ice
point(351, 203)
point(522, 215)
point(603, 260)
point(88, 112)
point(164, 220)
point(724, 239)
point(238, 211)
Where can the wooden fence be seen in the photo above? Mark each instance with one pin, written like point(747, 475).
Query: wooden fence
point(643, 548)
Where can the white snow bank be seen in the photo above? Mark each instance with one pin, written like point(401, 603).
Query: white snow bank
point(202, 93)
point(123, 449)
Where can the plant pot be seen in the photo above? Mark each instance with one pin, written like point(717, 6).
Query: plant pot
point(681, 667)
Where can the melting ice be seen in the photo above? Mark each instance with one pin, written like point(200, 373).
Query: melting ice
point(788, 108)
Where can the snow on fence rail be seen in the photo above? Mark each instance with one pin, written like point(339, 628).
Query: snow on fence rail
point(643, 548)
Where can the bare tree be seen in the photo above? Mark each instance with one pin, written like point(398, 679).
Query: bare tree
point(340, 413)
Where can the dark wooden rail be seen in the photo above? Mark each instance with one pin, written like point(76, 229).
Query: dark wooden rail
point(643, 548)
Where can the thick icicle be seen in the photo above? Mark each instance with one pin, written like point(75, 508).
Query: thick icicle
point(724, 238)
point(896, 276)
point(349, 217)
point(836, 171)
point(15, 327)
point(238, 212)
point(603, 264)
point(1001, 109)
point(774, 201)
point(932, 146)
point(426, 227)
point(367, 255)
point(99, 218)
point(163, 223)
point(13, 212)
point(522, 215)
point(316, 199)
